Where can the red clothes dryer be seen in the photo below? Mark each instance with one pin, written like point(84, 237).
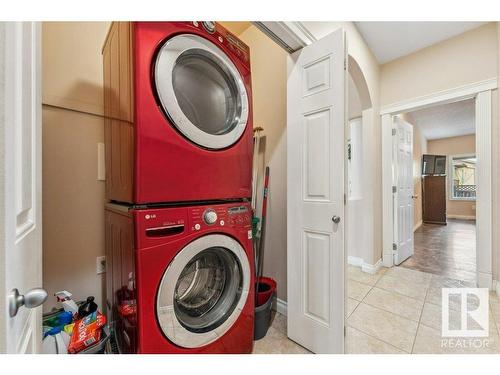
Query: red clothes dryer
point(181, 278)
point(179, 114)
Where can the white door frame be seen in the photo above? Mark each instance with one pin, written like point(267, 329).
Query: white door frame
point(481, 92)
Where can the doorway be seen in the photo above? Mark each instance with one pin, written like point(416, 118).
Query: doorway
point(441, 192)
point(480, 94)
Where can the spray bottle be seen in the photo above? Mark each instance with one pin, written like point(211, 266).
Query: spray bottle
point(64, 297)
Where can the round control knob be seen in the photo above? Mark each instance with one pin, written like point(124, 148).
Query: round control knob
point(209, 26)
point(197, 227)
point(210, 217)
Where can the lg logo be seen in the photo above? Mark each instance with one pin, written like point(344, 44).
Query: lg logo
point(150, 216)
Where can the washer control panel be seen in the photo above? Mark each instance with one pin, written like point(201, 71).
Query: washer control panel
point(213, 216)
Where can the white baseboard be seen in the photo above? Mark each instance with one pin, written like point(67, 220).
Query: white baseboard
point(355, 261)
point(365, 267)
point(280, 306)
point(461, 217)
point(418, 225)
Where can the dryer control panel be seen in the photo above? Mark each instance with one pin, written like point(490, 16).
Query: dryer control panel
point(225, 38)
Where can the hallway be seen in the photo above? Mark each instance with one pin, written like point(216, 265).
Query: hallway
point(446, 250)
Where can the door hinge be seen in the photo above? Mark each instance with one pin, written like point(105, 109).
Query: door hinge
point(393, 131)
point(394, 189)
point(345, 331)
point(345, 64)
point(345, 199)
point(394, 246)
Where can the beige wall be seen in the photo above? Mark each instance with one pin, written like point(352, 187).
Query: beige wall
point(466, 58)
point(73, 198)
point(455, 146)
point(268, 64)
point(462, 60)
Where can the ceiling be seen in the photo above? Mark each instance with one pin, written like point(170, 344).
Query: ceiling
point(391, 40)
point(446, 120)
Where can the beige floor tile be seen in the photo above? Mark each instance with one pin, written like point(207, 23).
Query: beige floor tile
point(276, 342)
point(358, 342)
point(279, 322)
point(410, 275)
point(495, 313)
point(403, 286)
point(356, 274)
point(430, 341)
point(432, 317)
point(434, 296)
point(351, 305)
point(357, 290)
point(394, 302)
point(386, 326)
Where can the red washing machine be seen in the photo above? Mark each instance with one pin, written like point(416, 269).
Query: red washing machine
point(191, 133)
point(182, 278)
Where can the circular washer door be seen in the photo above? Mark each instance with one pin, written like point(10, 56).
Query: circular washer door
point(203, 291)
point(201, 91)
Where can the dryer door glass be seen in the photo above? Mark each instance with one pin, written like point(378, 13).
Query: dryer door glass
point(203, 291)
point(201, 91)
point(206, 92)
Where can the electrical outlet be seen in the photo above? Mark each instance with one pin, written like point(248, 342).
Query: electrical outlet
point(101, 265)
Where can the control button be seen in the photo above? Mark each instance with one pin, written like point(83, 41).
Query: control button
point(220, 39)
point(197, 226)
point(209, 26)
point(210, 217)
point(195, 23)
point(222, 223)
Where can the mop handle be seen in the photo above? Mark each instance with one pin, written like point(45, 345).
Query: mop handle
point(266, 190)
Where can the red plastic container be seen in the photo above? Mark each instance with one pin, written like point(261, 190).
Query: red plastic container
point(265, 289)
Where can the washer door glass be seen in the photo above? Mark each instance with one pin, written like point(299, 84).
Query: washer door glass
point(201, 91)
point(203, 291)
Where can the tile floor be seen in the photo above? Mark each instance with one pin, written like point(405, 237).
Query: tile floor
point(446, 250)
point(276, 341)
point(397, 310)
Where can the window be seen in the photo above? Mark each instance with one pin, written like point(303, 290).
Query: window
point(463, 177)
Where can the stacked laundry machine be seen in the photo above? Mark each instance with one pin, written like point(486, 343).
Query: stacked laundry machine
point(178, 136)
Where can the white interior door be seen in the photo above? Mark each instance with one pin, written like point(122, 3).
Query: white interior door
point(20, 178)
point(403, 197)
point(315, 131)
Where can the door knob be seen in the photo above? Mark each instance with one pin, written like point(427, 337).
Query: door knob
point(33, 298)
point(336, 219)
